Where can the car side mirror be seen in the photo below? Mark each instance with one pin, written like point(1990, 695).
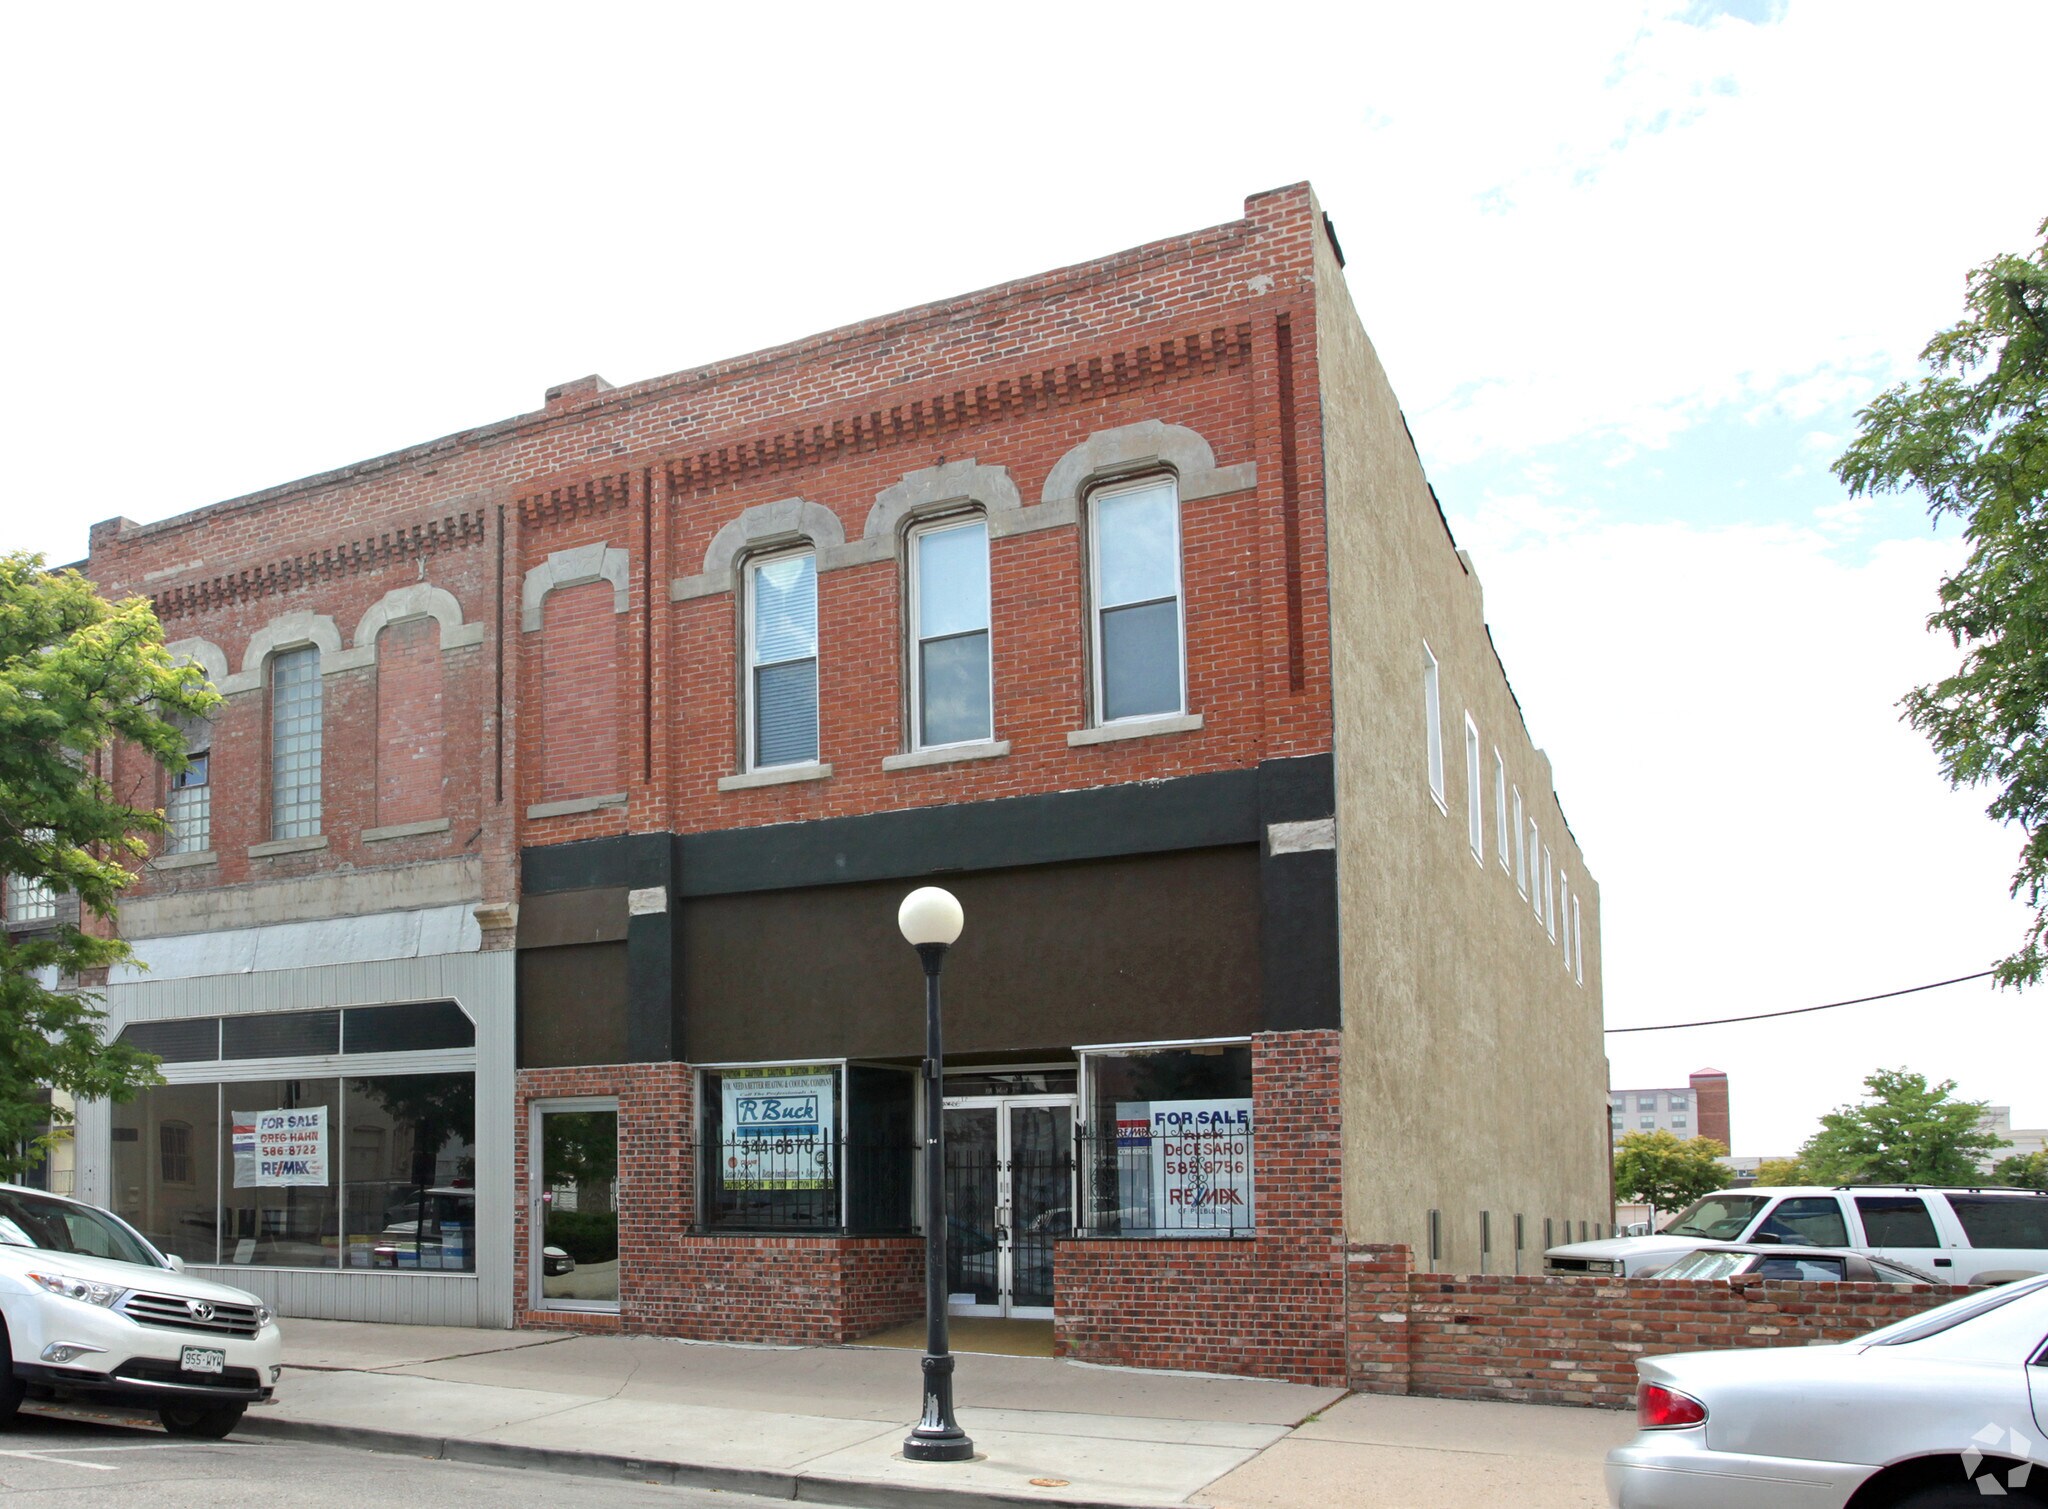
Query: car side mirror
point(1768, 1239)
point(177, 1263)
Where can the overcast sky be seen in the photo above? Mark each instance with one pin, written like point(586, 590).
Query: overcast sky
point(1631, 268)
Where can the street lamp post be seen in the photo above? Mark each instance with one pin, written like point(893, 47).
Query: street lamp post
point(931, 919)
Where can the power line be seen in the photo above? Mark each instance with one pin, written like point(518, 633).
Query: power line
point(1722, 1021)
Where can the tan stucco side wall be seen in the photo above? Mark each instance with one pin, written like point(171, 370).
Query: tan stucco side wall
point(1474, 1077)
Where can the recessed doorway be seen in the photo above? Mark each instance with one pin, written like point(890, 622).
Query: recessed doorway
point(1009, 1198)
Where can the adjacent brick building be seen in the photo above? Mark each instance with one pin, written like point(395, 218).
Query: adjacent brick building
point(571, 769)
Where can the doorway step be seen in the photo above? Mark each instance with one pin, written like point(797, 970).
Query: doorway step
point(973, 1333)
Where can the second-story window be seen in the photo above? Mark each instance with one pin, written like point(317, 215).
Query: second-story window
point(1475, 814)
point(1136, 531)
point(782, 661)
point(949, 659)
point(1521, 846)
point(188, 805)
point(295, 729)
point(1433, 724)
point(1501, 838)
point(31, 900)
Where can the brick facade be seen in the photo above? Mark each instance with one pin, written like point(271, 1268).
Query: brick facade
point(674, 1281)
point(532, 638)
point(1272, 1305)
point(1568, 1340)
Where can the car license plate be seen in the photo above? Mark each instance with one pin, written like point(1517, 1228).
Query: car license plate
point(203, 1360)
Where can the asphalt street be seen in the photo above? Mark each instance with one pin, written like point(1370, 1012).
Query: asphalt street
point(86, 1460)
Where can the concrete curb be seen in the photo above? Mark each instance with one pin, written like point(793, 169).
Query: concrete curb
point(850, 1493)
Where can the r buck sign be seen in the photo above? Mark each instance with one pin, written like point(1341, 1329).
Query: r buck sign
point(1184, 1166)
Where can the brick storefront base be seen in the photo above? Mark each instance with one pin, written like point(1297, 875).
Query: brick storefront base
point(1545, 1340)
point(1270, 1306)
point(815, 1291)
point(676, 1282)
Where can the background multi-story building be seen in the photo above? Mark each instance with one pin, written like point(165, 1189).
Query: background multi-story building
point(1698, 1109)
point(523, 950)
point(1997, 1120)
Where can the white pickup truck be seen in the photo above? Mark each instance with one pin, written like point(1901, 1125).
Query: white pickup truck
point(1962, 1236)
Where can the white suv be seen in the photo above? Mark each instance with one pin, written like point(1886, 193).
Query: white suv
point(90, 1310)
point(1961, 1236)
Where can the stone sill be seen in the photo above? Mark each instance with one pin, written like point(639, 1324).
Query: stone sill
point(780, 775)
point(947, 754)
point(1134, 728)
point(576, 804)
point(404, 830)
point(184, 861)
point(278, 847)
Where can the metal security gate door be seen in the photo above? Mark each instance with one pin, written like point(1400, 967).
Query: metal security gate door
point(1009, 1197)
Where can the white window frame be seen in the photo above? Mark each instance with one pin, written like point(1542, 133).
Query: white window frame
point(1500, 811)
point(748, 710)
point(1096, 606)
point(1564, 908)
point(31, 900)
point(1578, 944)
point(1475, 801)
point(1549, 896)
point(1535, 891)
point(915, 616)
point(1433, 715)
point(1521, 846)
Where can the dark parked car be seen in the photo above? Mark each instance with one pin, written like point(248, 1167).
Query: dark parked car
point(1767, 1260)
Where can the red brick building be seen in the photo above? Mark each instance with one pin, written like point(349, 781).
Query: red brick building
point(571, 769)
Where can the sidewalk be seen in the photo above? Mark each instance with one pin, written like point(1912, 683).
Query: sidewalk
point(826, 1424)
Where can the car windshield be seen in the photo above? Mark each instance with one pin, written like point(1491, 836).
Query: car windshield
point(59, 1226)
point(1704, 1265)
point(1718, 1218)
point(1954, 1313)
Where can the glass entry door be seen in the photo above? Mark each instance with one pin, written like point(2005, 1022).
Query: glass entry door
point(574, 1259)
point(1009, 1197)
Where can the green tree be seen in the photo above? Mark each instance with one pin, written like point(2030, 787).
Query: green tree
point(1773, 1172)
point(2027, 1170)
point(1906, 1131)
point(1972, 437)
point(1664, 1173)
point(77, 674)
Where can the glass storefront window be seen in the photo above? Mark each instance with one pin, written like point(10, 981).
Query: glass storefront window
point(166, 1168)
point(771, 1148)
point(808, 1147)
point(279, 1182)
point(367, 1172)
point(881, 1148)
point(1167, 1150)
point(409, 1172)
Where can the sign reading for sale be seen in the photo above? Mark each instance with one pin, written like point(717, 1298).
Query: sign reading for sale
point(280, 1149)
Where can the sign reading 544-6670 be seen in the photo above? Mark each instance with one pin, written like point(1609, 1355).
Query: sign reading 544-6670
point(779, 1128)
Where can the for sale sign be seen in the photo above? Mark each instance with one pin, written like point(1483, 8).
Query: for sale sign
point(1201, 1164)
point(281, 1149)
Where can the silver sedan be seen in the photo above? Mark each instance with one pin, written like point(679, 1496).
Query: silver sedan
point(1940, 1411)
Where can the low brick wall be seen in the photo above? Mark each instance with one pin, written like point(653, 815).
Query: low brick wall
point(1551, 1340)
point(814, 1291)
